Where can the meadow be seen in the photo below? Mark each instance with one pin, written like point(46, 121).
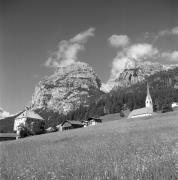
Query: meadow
point(138, 149)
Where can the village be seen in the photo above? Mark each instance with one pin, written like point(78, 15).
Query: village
point(89, 90)
point(29, 123)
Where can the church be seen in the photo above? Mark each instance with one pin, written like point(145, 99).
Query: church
point(147, 110)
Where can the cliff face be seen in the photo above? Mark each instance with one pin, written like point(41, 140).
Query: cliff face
point(134, 75)
point(67, 88)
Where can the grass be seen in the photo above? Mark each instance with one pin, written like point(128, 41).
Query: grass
point(144, 148)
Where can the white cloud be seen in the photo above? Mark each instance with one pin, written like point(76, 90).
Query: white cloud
point(119, 40)
point(163, 33)
point(173, 31)
point(171, 56)
point(3, 113)
point(67, 51)
point(141, 51)
point(120, 62)
point(83, 37)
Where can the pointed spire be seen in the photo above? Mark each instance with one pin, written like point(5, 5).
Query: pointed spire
point(148, 102)
point(148, 90)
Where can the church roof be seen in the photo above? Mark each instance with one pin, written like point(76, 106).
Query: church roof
point(140, 111)
point(29, 114)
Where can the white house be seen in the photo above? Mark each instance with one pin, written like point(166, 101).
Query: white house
point(174, 104)
point(147, 110)
point(31, 120)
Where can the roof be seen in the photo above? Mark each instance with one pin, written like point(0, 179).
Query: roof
point(29, 114)
point(140, 111)
point(72, 122)
point(66, 124)
point(95, 119)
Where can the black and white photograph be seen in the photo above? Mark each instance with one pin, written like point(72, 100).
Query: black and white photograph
point(88, 89)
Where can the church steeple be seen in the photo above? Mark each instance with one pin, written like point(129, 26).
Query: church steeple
point(148, 102)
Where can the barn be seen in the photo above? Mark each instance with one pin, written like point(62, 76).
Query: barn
point(70, 125)
point(34, 123)
point(91, 121)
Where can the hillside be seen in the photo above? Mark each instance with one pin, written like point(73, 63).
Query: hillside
point(144, 148)
point(163, 89)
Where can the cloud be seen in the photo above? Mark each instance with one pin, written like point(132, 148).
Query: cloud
point(171, 56)
point(165, 32)
point(83, 37)
point(119, 63)
point(173, 31)
point(128, 57)
point(141, 51)
point(3, 113)
point(67, 52)
point(119, 40)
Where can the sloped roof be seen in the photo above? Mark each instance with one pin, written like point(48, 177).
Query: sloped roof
point(75, 122)
point(140, 111)
point(95, 119)
point(66, 124)
point(72, 122)
point(29, 114)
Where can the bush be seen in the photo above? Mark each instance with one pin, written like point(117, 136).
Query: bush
point(122, 114)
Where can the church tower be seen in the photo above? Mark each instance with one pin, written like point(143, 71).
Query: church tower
point(148, 102)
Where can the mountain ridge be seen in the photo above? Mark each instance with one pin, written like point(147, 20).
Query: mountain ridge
point(131, 76)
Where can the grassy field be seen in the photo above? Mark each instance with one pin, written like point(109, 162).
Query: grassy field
point(144, 148)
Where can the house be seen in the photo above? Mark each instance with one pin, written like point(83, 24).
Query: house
point(147, 110)
point(92, 121)
point(174, 106)
point(33, 122)
point(70, 125)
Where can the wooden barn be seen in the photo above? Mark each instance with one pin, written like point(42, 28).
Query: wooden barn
point(92, 121)
point(70, 125)
point(34, 123)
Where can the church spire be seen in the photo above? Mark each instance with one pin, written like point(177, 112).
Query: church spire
point(148, 90)
point(148, 102)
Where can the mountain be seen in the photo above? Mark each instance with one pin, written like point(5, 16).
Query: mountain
point(134, 75)
point(68, 88)
point(163, 89)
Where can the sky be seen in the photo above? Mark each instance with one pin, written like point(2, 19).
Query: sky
point(38, 35)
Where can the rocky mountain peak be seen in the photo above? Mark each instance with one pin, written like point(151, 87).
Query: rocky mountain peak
point(135, 74)
point(66, 89)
